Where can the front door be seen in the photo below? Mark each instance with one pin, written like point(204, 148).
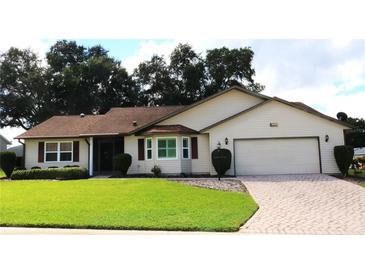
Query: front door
point(106, 156)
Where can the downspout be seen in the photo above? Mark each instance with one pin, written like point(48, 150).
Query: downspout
point(23, 160)
point(88, 153)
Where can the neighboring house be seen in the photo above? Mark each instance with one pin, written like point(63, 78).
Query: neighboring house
point(17, 149)
point(4, 143)
point(265, 135)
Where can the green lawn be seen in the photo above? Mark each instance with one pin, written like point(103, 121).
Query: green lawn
point(122, 204)
point(2, 174)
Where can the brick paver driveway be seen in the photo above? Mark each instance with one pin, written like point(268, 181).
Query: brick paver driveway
point(306, 204)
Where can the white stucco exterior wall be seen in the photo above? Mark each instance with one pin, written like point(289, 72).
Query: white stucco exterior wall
point(31, 153)
point(291, 123)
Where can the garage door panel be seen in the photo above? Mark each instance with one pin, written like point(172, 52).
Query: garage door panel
point(277, 156)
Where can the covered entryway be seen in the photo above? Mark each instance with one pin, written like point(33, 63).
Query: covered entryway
point(105, 148)
point(286, 155)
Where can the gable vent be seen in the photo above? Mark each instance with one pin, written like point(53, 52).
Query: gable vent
point(135, 123)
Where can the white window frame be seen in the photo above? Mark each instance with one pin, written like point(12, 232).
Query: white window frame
point(58, 151)
point(147, 149)
point(176, 149)
point(182, 147)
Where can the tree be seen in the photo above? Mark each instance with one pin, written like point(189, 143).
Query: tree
point(24, 99)
point(188, 71)
point(87, 80)
point(356, 136)
point(357, 123)
point(227, 67)
point(189, 77)
point(155, 84)
point(76, 79)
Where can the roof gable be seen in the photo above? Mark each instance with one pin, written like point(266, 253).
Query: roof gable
point(179, 116)
point(297, 105)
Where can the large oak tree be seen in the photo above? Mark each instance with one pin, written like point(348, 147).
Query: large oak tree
point(74, 79)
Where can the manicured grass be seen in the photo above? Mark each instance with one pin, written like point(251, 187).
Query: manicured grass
point(122, 204)
point(2, 173)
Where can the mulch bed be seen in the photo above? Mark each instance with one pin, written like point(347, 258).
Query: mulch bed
point(232, 185)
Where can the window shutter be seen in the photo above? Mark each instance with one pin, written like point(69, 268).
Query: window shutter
point(140, 149)
point(194, 147)
point(76, 151)
point(40, 152)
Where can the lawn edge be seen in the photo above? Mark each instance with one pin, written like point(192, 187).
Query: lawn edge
point(60, 226)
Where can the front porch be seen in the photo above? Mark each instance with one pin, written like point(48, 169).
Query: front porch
point(103, 149)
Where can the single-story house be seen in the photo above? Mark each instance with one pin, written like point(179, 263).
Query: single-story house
point(4, 143)
point(266, 135)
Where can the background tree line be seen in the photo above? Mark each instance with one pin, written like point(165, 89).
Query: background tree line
point(73, 79)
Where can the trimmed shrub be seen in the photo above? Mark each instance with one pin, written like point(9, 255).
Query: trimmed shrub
point(7, 162)
point(156, 170)
point(50, 173)
point(221, 160)
point(344, 156)
point(68, 166)
point(122, 162)
point(35, 167)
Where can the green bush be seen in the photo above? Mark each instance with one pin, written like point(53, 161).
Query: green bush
point(221, 160)
point(156, 170)
point(122, 162)
point(344, 156)
point(50, 173)
point(7, 162)
point(68, 166)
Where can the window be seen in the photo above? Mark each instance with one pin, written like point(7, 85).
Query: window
point(65, 152)
point(166, 148)
point(148, 148)
point(185, 148)
point(51, 152)
point(58, 151)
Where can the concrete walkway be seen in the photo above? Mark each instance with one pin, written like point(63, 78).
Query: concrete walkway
point(305, 204)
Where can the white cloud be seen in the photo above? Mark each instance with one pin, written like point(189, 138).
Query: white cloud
point(146, 50)
point(37, 45)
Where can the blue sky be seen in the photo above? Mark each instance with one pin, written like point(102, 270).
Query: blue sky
point(328, 75)
point(119, 49)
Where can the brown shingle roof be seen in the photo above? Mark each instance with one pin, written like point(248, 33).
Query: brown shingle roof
point(116, 121)
point(180, 129)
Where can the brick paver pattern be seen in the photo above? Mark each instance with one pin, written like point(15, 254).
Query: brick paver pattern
point(305, 204)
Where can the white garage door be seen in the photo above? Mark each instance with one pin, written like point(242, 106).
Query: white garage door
point(277, 156)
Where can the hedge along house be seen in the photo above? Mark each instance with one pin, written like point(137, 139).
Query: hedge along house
point(265, 135)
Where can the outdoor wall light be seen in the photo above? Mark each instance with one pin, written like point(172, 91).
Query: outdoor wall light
point(226, 141)
point(326, 138)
